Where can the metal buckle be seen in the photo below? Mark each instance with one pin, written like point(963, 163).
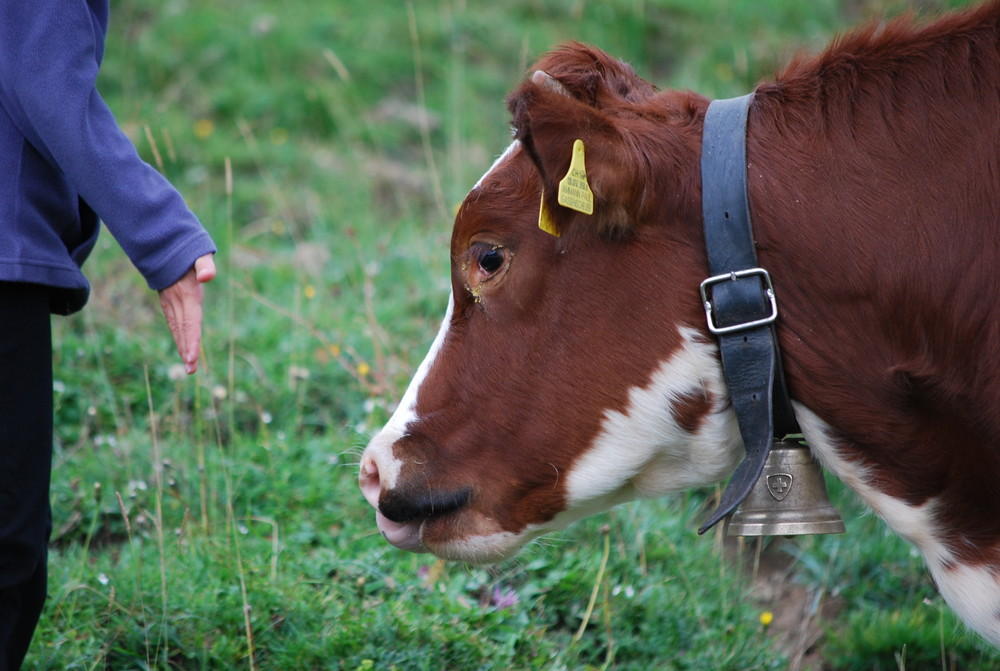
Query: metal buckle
point(732, 277)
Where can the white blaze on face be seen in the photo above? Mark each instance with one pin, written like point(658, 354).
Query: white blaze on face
point(500, 159)
point(381, 445)
point(380, 468)
point(973, 592)
point(405, 412)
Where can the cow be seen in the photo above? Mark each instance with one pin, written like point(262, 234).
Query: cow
point(574, 369)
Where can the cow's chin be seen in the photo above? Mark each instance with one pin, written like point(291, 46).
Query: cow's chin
point(481, 540)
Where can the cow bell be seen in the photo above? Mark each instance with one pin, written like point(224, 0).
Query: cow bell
point(789, 499)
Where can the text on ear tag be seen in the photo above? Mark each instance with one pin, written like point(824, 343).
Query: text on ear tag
point(545, 220)
point(574, 191)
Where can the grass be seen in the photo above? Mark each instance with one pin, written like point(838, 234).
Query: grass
point(215, 522)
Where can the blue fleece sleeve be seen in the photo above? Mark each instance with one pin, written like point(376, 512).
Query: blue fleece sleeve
point(50, 52)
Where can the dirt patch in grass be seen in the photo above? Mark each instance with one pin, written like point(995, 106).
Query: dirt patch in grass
point(796, 612)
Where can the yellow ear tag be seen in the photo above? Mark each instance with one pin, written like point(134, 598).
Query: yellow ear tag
point(574, 191)
point(545, 220)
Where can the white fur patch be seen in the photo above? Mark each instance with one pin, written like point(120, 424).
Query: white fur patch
point(482, 549)
point(644, 452)
point(973, 592)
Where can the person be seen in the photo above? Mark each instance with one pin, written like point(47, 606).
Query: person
point(65, 165)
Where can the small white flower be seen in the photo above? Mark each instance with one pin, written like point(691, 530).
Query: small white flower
point(296, 373)
point(627, 590)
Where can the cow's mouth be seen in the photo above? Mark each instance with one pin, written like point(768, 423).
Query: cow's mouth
point(404, 519)
point(485, 544)
point(405, 535)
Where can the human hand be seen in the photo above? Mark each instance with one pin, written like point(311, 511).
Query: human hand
point(181, 303)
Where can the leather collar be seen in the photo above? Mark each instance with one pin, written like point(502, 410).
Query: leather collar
point(739, 299)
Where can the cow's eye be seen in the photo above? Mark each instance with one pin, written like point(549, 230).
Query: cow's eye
point(492, 260)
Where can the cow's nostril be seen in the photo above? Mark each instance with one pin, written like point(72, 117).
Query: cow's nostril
point(369, 481)
point(401, 507)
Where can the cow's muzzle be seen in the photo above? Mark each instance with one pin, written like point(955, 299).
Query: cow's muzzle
point(402, 510)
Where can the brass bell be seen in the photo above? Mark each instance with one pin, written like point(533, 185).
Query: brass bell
point(789, 498)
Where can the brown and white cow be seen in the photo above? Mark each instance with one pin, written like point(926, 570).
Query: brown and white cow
point(573, 373)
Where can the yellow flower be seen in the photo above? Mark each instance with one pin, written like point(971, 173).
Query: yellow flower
point(310, 291)
point(203, 128)
point(278, 136)
point(364, 369)
point(766, 618)
point(335, 350)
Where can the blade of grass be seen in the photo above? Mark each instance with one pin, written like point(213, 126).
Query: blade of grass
point(605, 532)
point(163, 640)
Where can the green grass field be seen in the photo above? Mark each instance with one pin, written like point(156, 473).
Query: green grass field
point(215, 522)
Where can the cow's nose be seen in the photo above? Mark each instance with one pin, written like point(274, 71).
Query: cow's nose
point(369, 480)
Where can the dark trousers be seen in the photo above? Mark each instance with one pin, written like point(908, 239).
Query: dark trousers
point(25, 464)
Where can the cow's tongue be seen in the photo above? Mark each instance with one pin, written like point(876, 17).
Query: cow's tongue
point(403, 536)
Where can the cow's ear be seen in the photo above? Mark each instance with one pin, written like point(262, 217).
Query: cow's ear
point(593, 77)
point(589, 170)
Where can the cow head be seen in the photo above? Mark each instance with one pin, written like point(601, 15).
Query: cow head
point(571, 373)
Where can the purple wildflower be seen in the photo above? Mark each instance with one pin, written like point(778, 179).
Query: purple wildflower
point(504, 599)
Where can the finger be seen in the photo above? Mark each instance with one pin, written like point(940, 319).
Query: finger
point(191, 339)
point(188, 332)
point(185, 328)
point(204, 268)
point(191, 329)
